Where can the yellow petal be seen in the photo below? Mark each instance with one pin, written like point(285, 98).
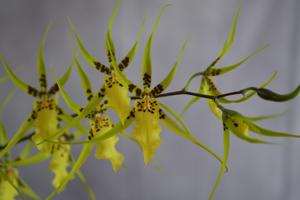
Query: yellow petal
point(117, 96)
point(59, 163)
point(106, 149)
point(146, 130)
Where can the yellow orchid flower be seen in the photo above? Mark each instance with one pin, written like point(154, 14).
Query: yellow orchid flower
point(147, 111)
point(45, 115)
point(207, 85)
point(11, 184)
point(114, 90)
point(239, 125)
point(99, 122)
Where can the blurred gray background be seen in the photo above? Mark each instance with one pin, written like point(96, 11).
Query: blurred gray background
point(261, 172)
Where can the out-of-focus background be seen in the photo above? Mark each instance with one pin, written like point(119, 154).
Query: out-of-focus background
point(181, 170)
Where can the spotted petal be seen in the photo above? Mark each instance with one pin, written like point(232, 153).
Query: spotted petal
point(59, 163)
point(146, 130)
point(223, 70)
point(89, 58)
point(147, 64)
point(41, 67)
point(18, 82)
point(106, 149)
point(164, 84)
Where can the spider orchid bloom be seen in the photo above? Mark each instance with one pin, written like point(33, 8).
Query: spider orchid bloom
point(239, 125)
point(99, 122)
point(114, 90)
point(207, 85)
point(147, 111)
point(11, 184)
point(46, 114)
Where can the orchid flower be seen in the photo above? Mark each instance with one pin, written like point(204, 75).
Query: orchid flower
point(147, 110)
point(11, 184)
point(46, 114)
point(115, 92)
point(239, 125)
point(99, 122)
point(207, 85)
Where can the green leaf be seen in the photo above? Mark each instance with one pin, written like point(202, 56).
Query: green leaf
point(41, 67)
point(147, 64)
point(226, 146)
point(169, 78)
point(269, 95)
point(18, 135)
point(37, 158)
point(18, 82)
point(173, 127)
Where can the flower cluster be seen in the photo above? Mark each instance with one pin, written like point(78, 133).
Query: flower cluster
point(135, 105)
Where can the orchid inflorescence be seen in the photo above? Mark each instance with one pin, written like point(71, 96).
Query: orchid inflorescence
point(146, 115)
